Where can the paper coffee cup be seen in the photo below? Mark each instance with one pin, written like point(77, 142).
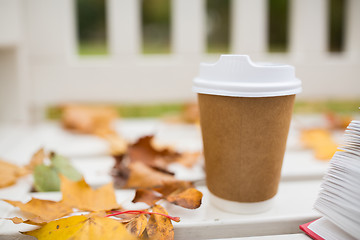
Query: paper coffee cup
point(245, 113)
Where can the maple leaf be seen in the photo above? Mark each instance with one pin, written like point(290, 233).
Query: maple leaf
point(41, 211)
point(91, 226)
point(178, 193)
point(10, 173)
point(81, 196)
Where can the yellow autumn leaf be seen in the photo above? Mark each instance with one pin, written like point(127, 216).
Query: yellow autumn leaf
point(85, 227)
point(320, 141)
point(36, 159)
point(137, 225)
point(42, 210)
point(81, 196)
point(159, 227)
point(9, 173)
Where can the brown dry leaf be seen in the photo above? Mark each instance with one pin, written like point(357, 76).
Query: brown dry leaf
point(159, 227)
point(118, 145)
point(81, 196)
point(144, 151)
point(320, 140)
point(189, 198)
point(188, 159)
point(37, 158)
point(146, 196)
point(143, 176)
point(137, 225)
point(191, 113)
point(88, 119)
point(179, 193)
point(10, 173)
point(42, 210)
point(82, 227)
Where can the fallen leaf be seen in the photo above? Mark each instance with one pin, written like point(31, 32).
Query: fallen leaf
point(10, 173)
point(18, 220)
point(42, 210)
point(137, 225)
point(63, 166)
point(189, 198)
point(82, 227)
point(190, 113)
point(188, 159)
point(37, 159)
point(88, 119)
point(337, 121)
point(144, 151)
point(143, 176)
point(118, 145)
point(159, 227)
point(81, 196)
point(178, 193)
point(147, 196)
point(46, 177)
point(320, 141)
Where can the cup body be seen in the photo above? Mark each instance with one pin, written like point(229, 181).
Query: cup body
point(244, 144)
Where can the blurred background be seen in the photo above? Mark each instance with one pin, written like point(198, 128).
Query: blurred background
point(141, 55)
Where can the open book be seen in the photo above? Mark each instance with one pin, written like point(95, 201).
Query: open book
point(339, 198)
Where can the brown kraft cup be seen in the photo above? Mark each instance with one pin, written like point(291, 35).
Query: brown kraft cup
point(244, 138)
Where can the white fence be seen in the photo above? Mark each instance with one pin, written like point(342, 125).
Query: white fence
point(39, 65)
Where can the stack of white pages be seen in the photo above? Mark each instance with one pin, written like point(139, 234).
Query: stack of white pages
point(339, 198)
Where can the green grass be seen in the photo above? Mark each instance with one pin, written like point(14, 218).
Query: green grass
point(337, 106)
point(130, 111)
point(160, 110)
point(92, 48)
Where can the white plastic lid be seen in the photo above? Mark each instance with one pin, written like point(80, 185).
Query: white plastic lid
point(238, 76)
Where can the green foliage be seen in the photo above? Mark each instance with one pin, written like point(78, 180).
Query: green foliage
point(336, 25)
point(218, 26)
point(278, 21)
point(46, 177)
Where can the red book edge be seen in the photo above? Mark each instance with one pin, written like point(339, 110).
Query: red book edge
point(305, 229)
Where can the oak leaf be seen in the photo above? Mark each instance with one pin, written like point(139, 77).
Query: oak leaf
point(82, 227)
point(81, 196)
point(41, 211)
